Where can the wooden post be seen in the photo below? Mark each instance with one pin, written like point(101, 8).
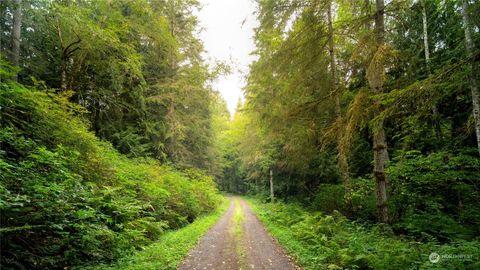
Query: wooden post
point(272, 197)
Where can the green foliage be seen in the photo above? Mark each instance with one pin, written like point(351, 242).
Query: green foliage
point(319, 241)
point(437, 195)
point(135, 66)
point(329, 198)
point(68, 198)
point(363, 198)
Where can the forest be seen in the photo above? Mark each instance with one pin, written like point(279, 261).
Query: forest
point(356, 142)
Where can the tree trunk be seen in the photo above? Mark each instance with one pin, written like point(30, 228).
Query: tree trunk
point(16, 31)
point(473, 71)
point(380, 154)
point(425, 37)
point(342, 159)
point(436, 123)
point(63, 82)
point(272, 197)
point(67, 52)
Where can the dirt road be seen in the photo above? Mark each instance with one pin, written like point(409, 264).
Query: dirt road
point(237, 241)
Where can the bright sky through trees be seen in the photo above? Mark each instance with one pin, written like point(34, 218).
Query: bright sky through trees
point(228, 36)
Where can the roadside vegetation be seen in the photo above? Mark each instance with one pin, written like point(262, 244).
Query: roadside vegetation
point(68, 198)
point(320, 241)
point(171, 248)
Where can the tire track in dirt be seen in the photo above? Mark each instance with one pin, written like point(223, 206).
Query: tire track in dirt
point(217, 249)
point(262, 251)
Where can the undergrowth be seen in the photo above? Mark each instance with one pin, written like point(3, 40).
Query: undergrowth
point(319, 241)
point(69, 199)
point(171, 248)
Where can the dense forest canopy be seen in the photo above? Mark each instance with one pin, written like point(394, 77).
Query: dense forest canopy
point(111, 132)
point(130, 64)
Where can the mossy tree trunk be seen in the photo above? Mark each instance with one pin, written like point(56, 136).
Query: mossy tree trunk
point(473, 71)
point(342, 161)
point(376, 81)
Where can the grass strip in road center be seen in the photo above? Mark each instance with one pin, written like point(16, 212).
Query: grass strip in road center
point(238, 218)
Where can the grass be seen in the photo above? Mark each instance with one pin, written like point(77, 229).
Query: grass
point(237, 219)
point(237, 227)
point(171, 248)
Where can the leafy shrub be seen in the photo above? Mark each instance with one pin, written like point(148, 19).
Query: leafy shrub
point(329, 198)
point(363, 199)
point(67, 198)
point(437, 195)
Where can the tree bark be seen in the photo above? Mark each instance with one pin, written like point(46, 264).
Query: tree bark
point(436, 123)
point(380, 154)
point(272, 197)
point(16, 31)
point(425, 37)
point(342, 161)
point(67, 52)
point(473, 70)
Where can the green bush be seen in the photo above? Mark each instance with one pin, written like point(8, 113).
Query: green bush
point(436, 195)
point(363, 199)
point(67, 198)
point(329, 198)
